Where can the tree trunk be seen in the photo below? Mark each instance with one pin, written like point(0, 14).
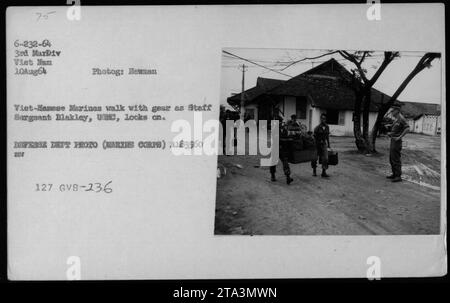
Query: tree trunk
point(367, 100)
point(376, 127)
point(362, 104)
point(362, 87)
point(359, 140)
point(366, 111)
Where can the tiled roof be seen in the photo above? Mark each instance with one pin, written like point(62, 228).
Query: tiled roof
point(415, 109)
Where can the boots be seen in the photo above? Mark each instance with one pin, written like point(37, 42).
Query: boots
point(397, 179)
point(314, 172)
point(324, 174)
point(289, 180)
point(272, 177)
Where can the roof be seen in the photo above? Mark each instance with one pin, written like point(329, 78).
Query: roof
point(263, 85)
point(414, 110)
point(325, 84)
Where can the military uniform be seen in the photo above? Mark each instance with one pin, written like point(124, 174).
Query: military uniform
point(321, 136)
point(284, 149)
point(398, 127)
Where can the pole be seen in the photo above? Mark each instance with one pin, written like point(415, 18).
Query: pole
point(242, 109)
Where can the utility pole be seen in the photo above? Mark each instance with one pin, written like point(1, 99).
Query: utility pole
point(242, 109)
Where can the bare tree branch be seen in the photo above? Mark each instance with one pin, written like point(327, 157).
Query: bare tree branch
point(309, 58)
point(354, 59)
point(388, 58)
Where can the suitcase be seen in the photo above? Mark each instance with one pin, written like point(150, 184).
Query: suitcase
point(333, 157)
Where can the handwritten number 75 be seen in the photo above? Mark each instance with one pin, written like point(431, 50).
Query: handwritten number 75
point(44, 16)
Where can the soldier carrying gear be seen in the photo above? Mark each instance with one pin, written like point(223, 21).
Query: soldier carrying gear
point(284, 150)
point(322, 138)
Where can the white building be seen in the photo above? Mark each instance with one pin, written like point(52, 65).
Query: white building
point(320, 90)
point(423, 118)
point(308, 112)
point(427, 124)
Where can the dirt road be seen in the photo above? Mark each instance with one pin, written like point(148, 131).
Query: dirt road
point(356, 200)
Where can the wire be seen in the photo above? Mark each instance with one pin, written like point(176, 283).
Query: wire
point(273, 70)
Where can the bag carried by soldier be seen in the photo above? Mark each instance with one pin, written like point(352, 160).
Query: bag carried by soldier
point(332, 157)
point(302, 150)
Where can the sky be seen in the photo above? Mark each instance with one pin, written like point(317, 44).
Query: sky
point(425, 87)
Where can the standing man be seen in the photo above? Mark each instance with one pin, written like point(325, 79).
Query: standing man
point(284, 150)
point(399, 129)
point(322, 138)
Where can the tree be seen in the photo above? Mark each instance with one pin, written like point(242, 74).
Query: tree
point(424, 62)
point(362, 87)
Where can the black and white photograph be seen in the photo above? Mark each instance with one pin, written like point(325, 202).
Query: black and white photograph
point(265, 143)
point(359, 143)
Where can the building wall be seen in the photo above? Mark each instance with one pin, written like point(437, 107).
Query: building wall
point(438, 130)
point(372, 120)
point(313, 115)
point(288, 106)
point(345, 129)
point(427, 124)
point(418, 125)
point(411, 124)
point(430, 125)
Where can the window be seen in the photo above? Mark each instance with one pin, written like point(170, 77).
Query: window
point(300, 107)
point(332, 116)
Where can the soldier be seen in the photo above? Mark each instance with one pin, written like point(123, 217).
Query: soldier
point(322, 138)
point(399, 129)
point(284, 149)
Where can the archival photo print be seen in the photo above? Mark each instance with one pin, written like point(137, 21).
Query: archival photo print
point(356, 135)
